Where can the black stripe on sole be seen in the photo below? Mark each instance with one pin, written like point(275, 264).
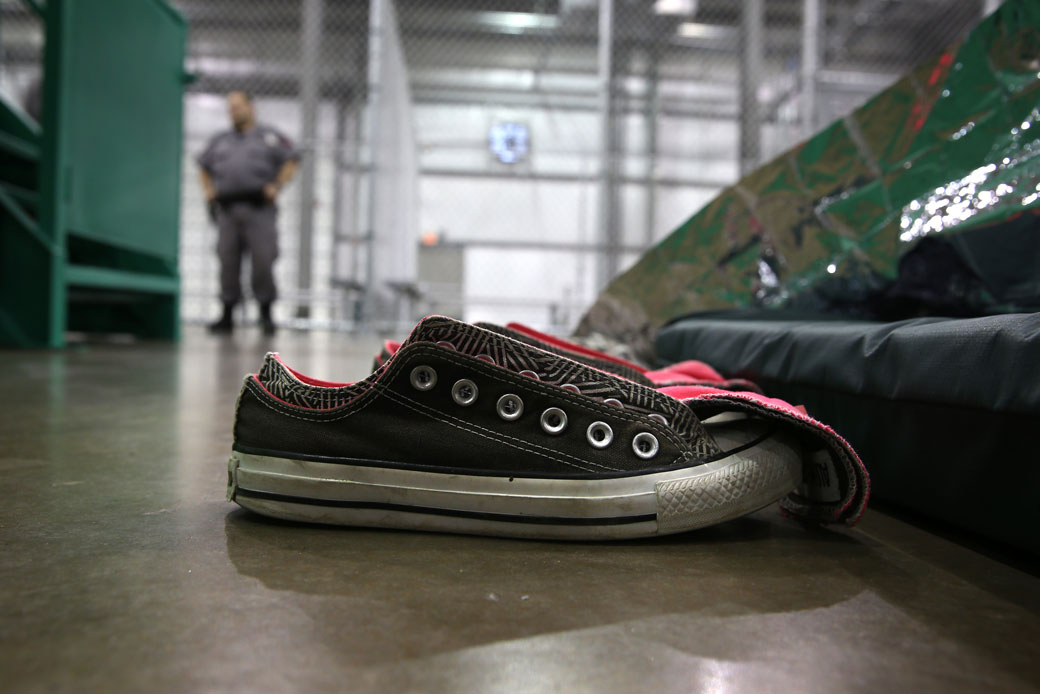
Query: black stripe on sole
point(475, 515)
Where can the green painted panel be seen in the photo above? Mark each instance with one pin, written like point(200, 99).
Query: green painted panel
point(89, 197)
point(123, 102)
point(106, 278)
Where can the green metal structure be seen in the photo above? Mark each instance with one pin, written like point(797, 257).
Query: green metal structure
point(948, 151)
point(90, 198)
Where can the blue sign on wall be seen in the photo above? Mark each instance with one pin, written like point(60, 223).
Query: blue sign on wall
point(509, 142)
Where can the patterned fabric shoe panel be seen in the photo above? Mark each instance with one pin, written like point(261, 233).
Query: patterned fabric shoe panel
point(281, 382)
point(551, 368)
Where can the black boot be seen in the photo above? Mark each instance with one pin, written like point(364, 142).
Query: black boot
point(266, 323)
point(225, 325)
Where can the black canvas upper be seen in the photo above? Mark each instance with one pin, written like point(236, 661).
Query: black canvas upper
point(386, 419)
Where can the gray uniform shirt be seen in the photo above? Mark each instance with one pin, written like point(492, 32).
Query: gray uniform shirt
point(243, 163)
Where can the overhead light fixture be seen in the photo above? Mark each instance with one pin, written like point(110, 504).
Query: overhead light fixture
point(685, 8)
point(516, 22)
point(699, 30)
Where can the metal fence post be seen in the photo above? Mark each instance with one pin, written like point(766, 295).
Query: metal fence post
point(310, 85)
point(608, 218)
point(653, 113)
point(810, 63)
point(751, 37)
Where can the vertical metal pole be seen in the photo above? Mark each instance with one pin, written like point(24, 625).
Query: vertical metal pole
point(608, 221)
point(653, 110)
point(373, 133)
point(356, 114)
point(810, 63)
point(339, 164)
point(750, 76)
point(310, 82)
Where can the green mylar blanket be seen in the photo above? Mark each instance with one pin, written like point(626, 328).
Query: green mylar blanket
point(952, 145)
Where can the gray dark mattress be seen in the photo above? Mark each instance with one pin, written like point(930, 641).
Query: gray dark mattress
point(944, 412)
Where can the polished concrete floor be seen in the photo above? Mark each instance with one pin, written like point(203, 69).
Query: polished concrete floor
point(124, 569)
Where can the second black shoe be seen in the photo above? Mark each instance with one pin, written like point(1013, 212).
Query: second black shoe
point(267, 326)
point(225, 324)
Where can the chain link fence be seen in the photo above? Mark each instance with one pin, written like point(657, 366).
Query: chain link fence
point(547, 143)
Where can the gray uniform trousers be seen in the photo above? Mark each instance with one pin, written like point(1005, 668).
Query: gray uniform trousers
point(242, 226)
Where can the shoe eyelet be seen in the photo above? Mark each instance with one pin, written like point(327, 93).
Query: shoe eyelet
point(645, 445)
point(570, 387)
point(464, 392)
point(599, 434)
point(449, 345)
point(554, 421)
point(486, 357)
point(614, 402)
point(510, 407)
point(423, 377)
point(659, 418)
point(530, 374)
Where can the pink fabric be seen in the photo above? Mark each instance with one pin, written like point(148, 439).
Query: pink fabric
point(391, 348)
point(705, 392)
point(672, 374)
point(684, 392)
point(697, 370)
point(668, 375)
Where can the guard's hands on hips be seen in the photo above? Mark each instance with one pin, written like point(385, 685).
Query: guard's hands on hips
point(271, 191)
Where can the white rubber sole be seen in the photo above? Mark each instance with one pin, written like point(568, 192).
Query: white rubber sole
point(591, 509)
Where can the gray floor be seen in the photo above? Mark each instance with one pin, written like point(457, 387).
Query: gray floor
point(123, 568)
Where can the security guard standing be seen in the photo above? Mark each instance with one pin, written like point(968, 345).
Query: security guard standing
point(243, 170)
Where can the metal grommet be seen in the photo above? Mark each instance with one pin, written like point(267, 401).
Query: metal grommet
point(423, 377)
point(645, 445)
point(510, 407)
point(659, 418)
point(486, 357)
point(572, 388)
point(530, 374)
point(614, 402)
point(554, 420)
point(599, 434)
point(464, 392)
point(445, 343)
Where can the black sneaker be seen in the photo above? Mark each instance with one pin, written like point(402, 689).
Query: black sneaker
point(224, 326)
point(466, 430)
point(267, 326)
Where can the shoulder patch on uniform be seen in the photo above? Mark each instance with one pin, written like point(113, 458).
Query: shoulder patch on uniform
point(271, 139)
